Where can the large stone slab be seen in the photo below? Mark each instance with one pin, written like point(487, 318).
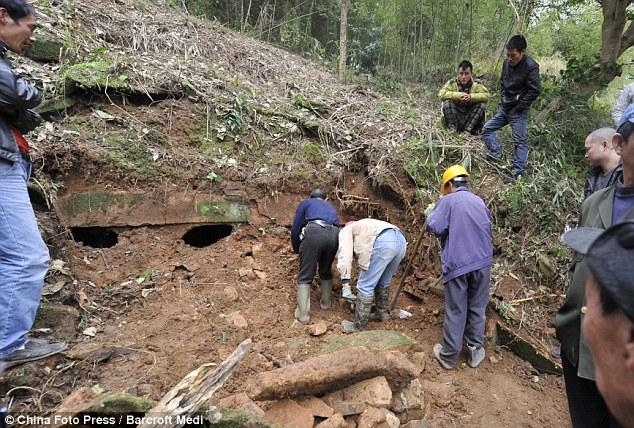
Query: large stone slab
point(525, 349)
point(112, 209)
point(331, 372)
point(374, 392)
point(373, 339)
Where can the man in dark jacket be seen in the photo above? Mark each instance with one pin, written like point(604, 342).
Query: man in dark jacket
point(463, 223)
point(601, 210)
point(315, 236)
point(23, 254)
point(521, 85)
point(606, 168)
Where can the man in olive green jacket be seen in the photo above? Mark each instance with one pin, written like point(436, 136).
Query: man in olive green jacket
point(464, 101)
point(601, 210)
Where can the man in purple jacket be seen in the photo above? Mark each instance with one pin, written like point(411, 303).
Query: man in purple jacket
point(463, 223)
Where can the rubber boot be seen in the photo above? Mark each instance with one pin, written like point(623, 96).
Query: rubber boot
point(363, 306)
point(382, 311)
point(302, 312)
point(326, 293)
point(346, 293)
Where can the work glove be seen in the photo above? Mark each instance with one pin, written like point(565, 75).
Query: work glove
point(429, 209)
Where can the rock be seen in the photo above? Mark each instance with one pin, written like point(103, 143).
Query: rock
point(325, 372)
point(61, 319)
point(47, 47)
point(232, 418)
point(319, 328)
point(260, 274)
point(350, 422)
point(238, 320)
point(316, 406)
point(349, 408)
point(374, 392)
point(391, 419)
point(247, 272)
point(545, 266)
point(231, 293)
point(409, 398)
point(373, 339)
point(421, 423)
point(493, 360)
point(335, 421)
point(420, 359)
point(92, 400)
point(95, 352)
point(288, 413)
point(371, 418)
point(241, 402)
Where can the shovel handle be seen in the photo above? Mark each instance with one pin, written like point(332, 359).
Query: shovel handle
point(408, 266)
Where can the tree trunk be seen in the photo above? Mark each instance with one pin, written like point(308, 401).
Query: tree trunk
point(343, 40)
point(614, 42)
point(194, 392)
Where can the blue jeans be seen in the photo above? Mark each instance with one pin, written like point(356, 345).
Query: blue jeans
point(23, 257)
point(519, 123)
point(388, 251)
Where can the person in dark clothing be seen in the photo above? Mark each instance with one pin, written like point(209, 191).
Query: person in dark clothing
point(606, 168)
point(521, 85)
point(602, 209)
point(315, 236)
point(608, 324)
point(463, 222)
point(464, 101)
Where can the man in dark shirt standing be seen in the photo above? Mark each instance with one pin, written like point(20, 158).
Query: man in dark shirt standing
point(606, 168)
point(521, 85)
point(315, 236)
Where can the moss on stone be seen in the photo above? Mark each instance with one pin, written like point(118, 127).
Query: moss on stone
point(96, 75)
point(223, 211)
point(121, 404)
point(46, 47)
point(239, 419)
point(373, 339)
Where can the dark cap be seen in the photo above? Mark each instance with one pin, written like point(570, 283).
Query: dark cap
point(318, 193)
point(610, 257)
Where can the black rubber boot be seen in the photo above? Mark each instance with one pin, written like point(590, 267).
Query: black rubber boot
point(363, 306)
point(382, 310)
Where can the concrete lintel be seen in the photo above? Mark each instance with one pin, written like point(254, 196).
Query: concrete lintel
point(119, 209)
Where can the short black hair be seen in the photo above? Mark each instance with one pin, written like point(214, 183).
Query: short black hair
point(17, 9)
point(459, 181)
point(465, 64)
point(517, 42)
point(626, 130)
point(318, 193)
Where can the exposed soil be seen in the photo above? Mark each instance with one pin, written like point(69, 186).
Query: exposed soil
point(188, 317)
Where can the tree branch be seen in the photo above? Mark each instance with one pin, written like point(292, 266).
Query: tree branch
point(627, 40)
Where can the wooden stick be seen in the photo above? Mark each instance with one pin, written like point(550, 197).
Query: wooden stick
point(539, 296)
point(409, 264)
point(194, 392)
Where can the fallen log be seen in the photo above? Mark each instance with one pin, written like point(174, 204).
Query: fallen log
point(329, 372)
point(193, 393)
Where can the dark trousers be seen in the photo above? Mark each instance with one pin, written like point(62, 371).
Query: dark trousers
point(466, 299)
point(463, 116)
point(587, 407)
point(318, 247)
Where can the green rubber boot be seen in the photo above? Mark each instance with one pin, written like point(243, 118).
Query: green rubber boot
point(326, 293)
point(363, 306)
point(302, 312)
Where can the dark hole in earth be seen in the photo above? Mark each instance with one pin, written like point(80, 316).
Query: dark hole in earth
point(203, 236)
point(95, 237)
